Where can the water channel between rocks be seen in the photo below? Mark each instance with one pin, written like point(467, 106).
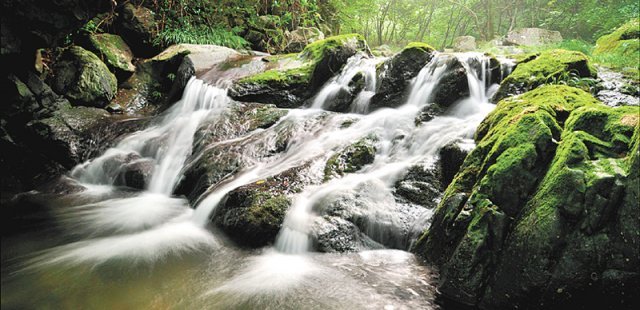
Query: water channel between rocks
point(114, 248)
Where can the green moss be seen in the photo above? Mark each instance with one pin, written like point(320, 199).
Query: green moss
point(612, 42)
point(549, 67)
point(350, 159)
point(113, 51)
point(318, 49)
point(620, 49)
point(419, 45)
point(292, 76)
point(267, 209)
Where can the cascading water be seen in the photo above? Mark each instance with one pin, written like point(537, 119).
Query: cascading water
point(118, 230)
point(357, 68)
point(401, 143)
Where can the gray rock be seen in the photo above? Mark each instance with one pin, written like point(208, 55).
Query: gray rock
point(464, 44)
point(532, 37)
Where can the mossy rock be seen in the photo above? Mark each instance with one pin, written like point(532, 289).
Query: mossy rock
point(350, 159)
point(396, 74)
point(138, 27)
point(292, 85)
point(83, 78)
point(252, 215)
point(548, 67)
point(623, 40)
point(538, 202)
point(114, 52)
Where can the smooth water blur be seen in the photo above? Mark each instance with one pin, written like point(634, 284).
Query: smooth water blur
point(113, 248)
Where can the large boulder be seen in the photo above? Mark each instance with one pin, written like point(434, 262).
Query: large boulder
point(138, 27)
point(252, 215)
point(546, 194)
point(532, 37)
point(623, 42)
point(113, 51)
point(212, 163)
point(397, 72)
point(549, 67)
point(297, 77)
point(301, 37)
point(83, 78)
point(464, 44)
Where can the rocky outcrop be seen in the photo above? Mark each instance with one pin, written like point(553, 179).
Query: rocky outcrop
point(546, 194)
point(296, 78)
point(83, 78)
point(137, 26)
point(113, 51)
point(532, 37)
point(464, 44)
point(397, 72)
point(548, 67)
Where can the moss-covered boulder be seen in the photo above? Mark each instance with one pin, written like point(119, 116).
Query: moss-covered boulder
point(539, 204)
point(114, 52)
point(252, 215)
point(351, 159)
point(548, 67)
point(290, 85)
point(396, 74)
point(624, 41)
point(83, 78)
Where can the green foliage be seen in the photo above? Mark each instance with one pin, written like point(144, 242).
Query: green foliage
point(200, 35)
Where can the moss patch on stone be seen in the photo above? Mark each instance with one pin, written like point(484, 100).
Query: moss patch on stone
point(115, 53)
point(550, 165)
point(549, 67)
point(350, 159)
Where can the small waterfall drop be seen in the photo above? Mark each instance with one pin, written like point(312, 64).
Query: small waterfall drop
point(400, 144)
point(167, 144)
point(358, 69)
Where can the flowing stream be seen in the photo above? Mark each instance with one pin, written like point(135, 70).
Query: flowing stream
point(113, 247)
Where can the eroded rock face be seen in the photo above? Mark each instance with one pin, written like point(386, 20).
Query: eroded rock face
point(298, 80)
point(532, 37)
point(83, 78)
point(537, 204)
point(397, 72)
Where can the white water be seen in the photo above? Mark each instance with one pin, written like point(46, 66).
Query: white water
point(358, 64)
point(418, 144)
point(150, 227)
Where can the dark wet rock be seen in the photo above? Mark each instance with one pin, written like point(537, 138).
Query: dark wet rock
point(429, 112)
point(537, 204)
point(351, 159)
point(453, 84)
point(114, 108)
point(83, 78)
point(302, 75)
point(452, 156)
point(549, 67)
point(137, 26)
point(333, 234)
point(397, 72)
point(252, 215)
point(137, 173)
point(421, 185)
point(211, 163)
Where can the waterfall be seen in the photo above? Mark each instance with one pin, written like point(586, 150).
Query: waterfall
point(400, 144)
point(358, 67)
point(167, 144)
